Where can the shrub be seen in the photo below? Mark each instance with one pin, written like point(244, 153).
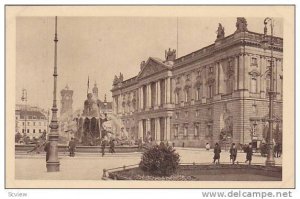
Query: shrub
point(160, 160)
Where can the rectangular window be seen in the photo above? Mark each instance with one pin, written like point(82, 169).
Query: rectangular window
point(28, 123)
point(23, 123)
point(27, 130)
point(33, 130)
point(40, 131)
point(196, 130)
point(33, 123)
point(23, 130)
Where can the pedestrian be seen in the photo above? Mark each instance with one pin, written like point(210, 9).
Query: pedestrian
point(72, 147)
point(112, 146)
point(249, 153)
point(47, 150)
point(103, 145)
point(233, 152)
point(217, 151)
point(207, 146)
point(277, 150)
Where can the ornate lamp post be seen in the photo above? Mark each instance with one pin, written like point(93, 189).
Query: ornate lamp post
point(53, 162)
point(270, 158)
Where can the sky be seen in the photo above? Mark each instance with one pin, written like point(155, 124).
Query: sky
point(102, 47)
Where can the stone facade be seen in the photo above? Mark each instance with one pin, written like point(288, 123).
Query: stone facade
point(216, 94)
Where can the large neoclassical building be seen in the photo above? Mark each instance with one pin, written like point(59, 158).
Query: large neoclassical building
point(216, 94)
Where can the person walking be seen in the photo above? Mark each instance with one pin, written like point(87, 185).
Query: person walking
point(217, 151)
point(233, 153)
point(112, 146)
point(103, 145)
point(72, 147)
point(249, 153)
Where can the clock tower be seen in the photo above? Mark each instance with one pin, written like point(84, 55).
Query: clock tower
point(66, 101)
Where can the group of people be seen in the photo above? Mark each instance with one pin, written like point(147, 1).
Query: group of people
point(233, 153)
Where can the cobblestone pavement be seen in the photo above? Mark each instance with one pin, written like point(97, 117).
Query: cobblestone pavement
point(90, 166)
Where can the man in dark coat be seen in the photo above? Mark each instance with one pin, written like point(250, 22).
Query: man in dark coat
point(217, 151)
point(47, 150)
point(72, 147)
point(249, 153)
point(112, 146)
point(233, 152)
point(103, 145)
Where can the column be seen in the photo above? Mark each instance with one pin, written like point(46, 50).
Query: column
point(262, 77)
point(221, 79)
point(157, 127)
point(148, 95)
point(217, 78)
point(158, 93)
point(246, 72)
point(140, 135)
point(168, 129)
point(241, 71)
point(147, 126)
point(167, 90)
point(236, 79)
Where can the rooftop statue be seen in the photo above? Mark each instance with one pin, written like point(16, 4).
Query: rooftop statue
point(170, 55)
point(241, 24)
point(220, 32)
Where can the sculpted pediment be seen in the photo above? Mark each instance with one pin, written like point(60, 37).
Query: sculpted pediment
point(152, 66)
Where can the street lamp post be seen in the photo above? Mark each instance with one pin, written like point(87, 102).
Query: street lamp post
point(53, 162)
point(270, 157)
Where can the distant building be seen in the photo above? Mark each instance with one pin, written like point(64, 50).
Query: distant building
point(216, 94)
point(31, 121)
point(66, 101)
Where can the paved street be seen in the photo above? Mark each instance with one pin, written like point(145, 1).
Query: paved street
point(87, 166)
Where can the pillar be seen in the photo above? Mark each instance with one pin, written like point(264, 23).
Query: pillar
point(140, 132)
point(158, 93)
point(167, 99)
point(157, 128)
point(241, 71)
point(246, 72)
point(147, 126)
point(217, 78)
point(148, 96)
point(262, 77)
point(221, 79)
point(168, 129)
point(236, 79)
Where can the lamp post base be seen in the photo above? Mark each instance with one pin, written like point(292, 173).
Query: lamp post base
point(52, 166)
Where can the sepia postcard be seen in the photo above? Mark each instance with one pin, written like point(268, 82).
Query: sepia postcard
point(158, 96)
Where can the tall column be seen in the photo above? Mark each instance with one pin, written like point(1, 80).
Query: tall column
point(147, 125)
point(241, 71)
point(158, 93)
point(217, 78)
point(246, 73)
point(168, 90)
point(221, 79)
point(204, 86)
point(148, 95)
point(236, 79)
point(141, 129)
point(168, 129)
point(262, 77)
point(157, 127)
